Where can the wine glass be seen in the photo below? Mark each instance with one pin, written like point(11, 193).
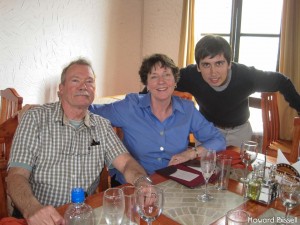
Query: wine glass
point(113, 206)
point(208, 164)
point(248, 155)
point(289, 192)
point(150, 201)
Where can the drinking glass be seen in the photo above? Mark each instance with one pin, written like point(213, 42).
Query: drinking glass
point(208, 164)
point(248, 155)
point(113, 206)
point(150, 201)
point(237, 217)
point(131, 216)
point(289, 192)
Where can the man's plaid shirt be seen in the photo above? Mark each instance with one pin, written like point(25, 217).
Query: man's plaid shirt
point(60, 156)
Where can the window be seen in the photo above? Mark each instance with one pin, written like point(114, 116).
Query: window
point(251, 26)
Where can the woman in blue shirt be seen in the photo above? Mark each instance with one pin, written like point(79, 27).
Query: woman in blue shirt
point(156, 125)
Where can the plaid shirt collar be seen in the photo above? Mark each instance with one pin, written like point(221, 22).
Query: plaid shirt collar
point(60, 116)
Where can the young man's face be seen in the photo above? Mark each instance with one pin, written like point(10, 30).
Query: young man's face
point(214, 70)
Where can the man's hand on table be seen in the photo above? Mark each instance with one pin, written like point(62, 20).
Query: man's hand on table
point(46, 215)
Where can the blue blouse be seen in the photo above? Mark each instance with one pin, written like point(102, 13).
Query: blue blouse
point(152, 142)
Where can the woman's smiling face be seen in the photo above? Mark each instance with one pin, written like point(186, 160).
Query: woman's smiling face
point(161, 82)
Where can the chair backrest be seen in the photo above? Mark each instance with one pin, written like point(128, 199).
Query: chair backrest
point(7, 131)
point(184, 95)
point(11, 102)
point(270, 118)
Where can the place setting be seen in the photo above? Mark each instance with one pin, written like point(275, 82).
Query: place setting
point(129, 205)
point(202, 196)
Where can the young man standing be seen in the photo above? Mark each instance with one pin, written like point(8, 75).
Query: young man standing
point(222, 88)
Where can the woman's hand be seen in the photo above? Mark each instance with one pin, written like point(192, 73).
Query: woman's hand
point(182, 157)
point(189, 154)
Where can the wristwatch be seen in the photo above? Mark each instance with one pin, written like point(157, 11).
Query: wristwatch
point(196, 151)
point(142, 178)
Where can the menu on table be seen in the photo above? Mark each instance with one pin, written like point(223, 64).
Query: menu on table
point(188, 173)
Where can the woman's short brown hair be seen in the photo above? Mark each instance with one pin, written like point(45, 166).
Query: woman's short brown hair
point(151, 61)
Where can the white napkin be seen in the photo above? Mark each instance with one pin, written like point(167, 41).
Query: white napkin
point(281, 159)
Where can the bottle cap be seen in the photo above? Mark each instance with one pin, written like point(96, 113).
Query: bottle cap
point(77, 195)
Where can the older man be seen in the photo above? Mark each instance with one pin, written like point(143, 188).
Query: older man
point(62, 145)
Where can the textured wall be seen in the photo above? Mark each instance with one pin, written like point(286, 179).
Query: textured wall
point(37, 38)
point(161, 27)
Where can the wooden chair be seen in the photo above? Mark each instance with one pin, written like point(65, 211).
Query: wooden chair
point(3, 167)
point(3, 195)
point(184, 95)
point(7, 131)
point(271, 128)
point(296, 139)
point(11, 102)
point(2, 148)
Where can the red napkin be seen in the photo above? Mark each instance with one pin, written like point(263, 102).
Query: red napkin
point(12, 221)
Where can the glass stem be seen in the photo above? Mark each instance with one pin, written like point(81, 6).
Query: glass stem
point(244, 190)
point(245, 171)
point(150, 223)
point(206, 181)
point(286, 212)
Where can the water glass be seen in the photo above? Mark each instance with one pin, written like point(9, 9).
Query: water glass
point(223, 167)
point(131, 216)
point(237, 217)
point(113, 206)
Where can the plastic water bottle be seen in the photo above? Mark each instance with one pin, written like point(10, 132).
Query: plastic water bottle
point(79, 212)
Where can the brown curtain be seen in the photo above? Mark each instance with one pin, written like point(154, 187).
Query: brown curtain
point(289, 61)
point(186, 45)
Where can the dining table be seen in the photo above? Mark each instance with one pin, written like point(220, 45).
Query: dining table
point(182, 207)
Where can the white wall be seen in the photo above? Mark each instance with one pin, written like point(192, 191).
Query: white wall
point(38, 38)
point(161, 27)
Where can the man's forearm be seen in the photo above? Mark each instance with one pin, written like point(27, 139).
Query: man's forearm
point(20, 192)
point(130, 168)
point(133, 170)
